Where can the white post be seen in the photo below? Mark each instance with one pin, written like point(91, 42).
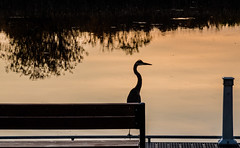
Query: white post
point(227, 127)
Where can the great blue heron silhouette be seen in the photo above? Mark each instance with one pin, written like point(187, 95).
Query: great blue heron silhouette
point(134, 95)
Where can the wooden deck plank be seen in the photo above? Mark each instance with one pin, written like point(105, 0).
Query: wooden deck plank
point(185, 145)
point(79, 143)
point(108, 143)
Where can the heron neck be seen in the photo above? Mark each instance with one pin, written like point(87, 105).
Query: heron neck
point(139, 82)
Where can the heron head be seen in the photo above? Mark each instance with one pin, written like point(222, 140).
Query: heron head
point(140, 62)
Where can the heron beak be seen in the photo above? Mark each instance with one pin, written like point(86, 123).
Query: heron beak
point(146, 63)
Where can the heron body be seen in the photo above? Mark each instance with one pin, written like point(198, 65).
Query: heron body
point(134, 95)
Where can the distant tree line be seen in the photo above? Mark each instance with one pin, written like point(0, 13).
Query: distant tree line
point(48, 8)
point(120, 3)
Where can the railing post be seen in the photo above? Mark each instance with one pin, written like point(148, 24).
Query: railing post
point(227, 124)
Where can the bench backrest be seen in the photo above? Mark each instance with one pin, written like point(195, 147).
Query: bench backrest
point(74, 116)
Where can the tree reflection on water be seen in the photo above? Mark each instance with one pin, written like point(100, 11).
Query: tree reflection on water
point(42, 49)
point(42, 42)
point(130, 42)
point(38, 53)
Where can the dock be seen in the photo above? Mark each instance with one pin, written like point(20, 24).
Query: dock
point(184, 145)
point(187, 145)
point(117, 141)
point(114, 144)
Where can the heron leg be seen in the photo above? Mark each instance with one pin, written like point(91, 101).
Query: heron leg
point(129, 134)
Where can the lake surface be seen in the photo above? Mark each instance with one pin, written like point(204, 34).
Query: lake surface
point(182, 89)
point(68, 53)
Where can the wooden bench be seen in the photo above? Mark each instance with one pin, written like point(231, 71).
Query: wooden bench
point(74, 116)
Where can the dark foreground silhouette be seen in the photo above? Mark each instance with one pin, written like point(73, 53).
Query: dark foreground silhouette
point(134, 95)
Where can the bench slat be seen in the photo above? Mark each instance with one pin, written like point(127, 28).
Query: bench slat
point(68, 123)
point(120, 109)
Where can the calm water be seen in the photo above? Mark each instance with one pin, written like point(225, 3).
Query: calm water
point(182, 89)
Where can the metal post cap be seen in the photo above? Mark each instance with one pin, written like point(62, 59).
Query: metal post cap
point(228, 81)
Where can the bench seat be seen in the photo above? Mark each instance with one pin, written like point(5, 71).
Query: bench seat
point(74, 117)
